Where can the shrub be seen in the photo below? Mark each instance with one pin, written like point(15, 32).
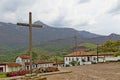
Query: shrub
point(67, 65)
point(11, 74)
point(46, 69)
point(73, 63)
point(16, 73)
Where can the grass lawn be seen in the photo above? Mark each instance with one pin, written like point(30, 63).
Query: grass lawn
point(3, 74)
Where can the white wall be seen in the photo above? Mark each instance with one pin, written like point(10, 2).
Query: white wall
point(19, 60)
point(111, 58)
point(67, 60)
point(45, 65)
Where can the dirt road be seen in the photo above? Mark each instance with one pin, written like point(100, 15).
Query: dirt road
point(103, 71)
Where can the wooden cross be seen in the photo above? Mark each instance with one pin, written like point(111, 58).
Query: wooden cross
point(30, 25)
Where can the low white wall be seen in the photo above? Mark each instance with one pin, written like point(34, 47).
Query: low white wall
point(111, 58)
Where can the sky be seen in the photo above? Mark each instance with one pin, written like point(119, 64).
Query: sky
point(96, 16)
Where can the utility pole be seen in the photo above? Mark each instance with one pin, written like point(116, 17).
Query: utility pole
point(75, 38)
point(30, 25)
point(76, 48)
point(97, 52)
point(56, 61)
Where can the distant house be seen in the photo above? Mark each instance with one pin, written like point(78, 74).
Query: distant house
point(44, 63)
point(25, 62)
point(107, 57)
point(22, 60)
point(9, 66)
point(88, 57)
point(38, 64)
point(80, 57)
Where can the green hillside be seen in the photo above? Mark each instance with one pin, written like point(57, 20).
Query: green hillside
point(49, 52)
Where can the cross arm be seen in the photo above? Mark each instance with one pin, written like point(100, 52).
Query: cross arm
point(27, 25)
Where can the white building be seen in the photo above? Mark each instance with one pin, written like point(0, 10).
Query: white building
point(25, 62)
point(22, 60)
point(45, 64)
point(88, 58)
point(80, 57)
point(9, 66)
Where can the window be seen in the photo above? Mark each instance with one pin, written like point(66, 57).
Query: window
point(77, 58)
point(66, 58)
point(1, 69)
point(73, 59)
point(69, 59)
point(27, 67)
point(88, 58)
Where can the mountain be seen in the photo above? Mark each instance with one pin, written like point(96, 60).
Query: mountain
point(14, 39)
point(14, 35)
point(89, 34)
point(101, 39)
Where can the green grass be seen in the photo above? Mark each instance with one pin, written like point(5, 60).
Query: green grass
point(3, 74)
point(89, 45)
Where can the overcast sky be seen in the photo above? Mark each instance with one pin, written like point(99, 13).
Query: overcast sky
point(97, 16)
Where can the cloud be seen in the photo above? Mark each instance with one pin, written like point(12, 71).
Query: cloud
point(84, 1)
point(91, 15)
point(116, 8)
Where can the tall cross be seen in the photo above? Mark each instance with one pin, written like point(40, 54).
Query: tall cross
point(30, 25)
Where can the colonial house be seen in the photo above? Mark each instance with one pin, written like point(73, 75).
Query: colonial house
point(107, 57)
point(22, 60)
point(80, 57)
point(9, 66)
point(38, 64)
point(25, 62)
point(44, 63)
point(89, 57)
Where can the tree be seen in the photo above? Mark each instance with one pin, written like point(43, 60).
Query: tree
point(109, 46)
point(117, 54)
point(34, 55)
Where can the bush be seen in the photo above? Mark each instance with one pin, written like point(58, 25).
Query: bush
point(73, 63)
point(11, 74)
point(46, 69)
point(16, 73)
point(67, 65)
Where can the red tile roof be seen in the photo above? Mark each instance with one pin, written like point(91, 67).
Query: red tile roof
point(78, 53)
point(27, 63)
point(58, 63)
point(38, 62)
point(24, 57)
point(13, 64)
point(10, 64)
point(42, 62)
point(2, 63)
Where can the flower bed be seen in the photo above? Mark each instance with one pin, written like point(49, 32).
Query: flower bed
point(17, 73)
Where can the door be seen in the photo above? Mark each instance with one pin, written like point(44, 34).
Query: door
point(1, 69)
